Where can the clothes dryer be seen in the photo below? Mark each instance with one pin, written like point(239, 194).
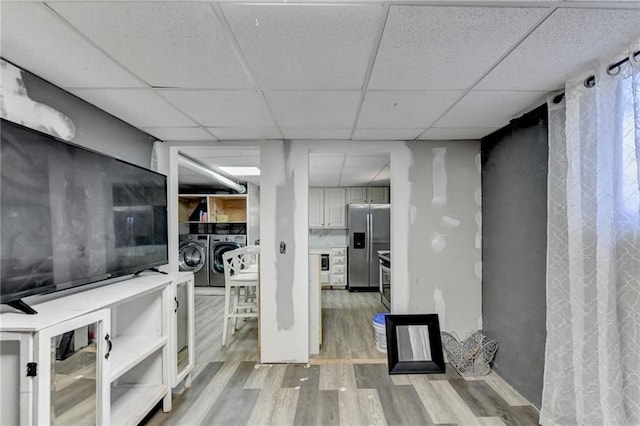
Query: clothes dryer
point(219, 245)
point(194, 257)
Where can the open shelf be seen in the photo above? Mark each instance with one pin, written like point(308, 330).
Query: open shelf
point(137, 399)
point(128, 351)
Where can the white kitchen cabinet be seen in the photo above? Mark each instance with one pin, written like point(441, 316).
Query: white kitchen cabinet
point(316, 207)
point(120, 365)
point(335, 208)
point(338, 267)
point(367, 194)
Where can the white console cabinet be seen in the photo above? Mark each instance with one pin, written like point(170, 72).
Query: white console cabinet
point(102, 356)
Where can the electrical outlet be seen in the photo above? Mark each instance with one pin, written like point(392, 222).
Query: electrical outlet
point(283, 247)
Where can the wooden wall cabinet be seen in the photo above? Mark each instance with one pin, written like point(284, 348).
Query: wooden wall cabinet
point(212, 208)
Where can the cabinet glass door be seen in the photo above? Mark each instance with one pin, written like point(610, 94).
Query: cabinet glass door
point(71, 359)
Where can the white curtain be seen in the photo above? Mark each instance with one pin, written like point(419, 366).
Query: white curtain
point(592, 363)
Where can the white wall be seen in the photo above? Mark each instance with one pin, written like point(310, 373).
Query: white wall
point(427, 276)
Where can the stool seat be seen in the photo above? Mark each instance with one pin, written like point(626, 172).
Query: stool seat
point(241, 276)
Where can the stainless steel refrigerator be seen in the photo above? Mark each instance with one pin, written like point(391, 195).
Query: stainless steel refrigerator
point(369, 231)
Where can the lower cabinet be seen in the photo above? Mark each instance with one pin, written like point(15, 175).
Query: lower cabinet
point(102, 356)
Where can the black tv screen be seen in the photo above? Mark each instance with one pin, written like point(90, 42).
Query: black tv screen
point(70, 216)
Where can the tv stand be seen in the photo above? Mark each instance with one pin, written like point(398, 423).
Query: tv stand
point(23, 307)
point(149, 269)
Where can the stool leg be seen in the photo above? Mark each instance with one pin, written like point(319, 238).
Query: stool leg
point(236, 309)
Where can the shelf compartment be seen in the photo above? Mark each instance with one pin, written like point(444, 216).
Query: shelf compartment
point(131, 403)
point(128, 351)
point(137, 391)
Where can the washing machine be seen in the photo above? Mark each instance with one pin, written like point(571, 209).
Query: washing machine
point(194, 257)
point(219, 245)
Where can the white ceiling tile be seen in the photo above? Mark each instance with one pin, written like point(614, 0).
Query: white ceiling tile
point(370, 161)
point(322, 110)
point(308, 133)
point(168, 44)
point(398, 109)
point(213, 108)
point(490, 109)
point(245, 133)
point(180, 133)
point(36, 39)
point(456, 134)
point(386, 134)
point(566, 45)
point(139, 107)
point(428, 47)
point(305, 47)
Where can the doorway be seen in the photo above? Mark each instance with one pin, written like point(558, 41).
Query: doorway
point(346, 188)
point(224, 219)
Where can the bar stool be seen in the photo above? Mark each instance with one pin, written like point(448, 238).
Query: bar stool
point(241, 278)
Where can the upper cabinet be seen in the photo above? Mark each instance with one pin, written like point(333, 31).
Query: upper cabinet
point(212, 208)
point(367, 194)
point(327, 208)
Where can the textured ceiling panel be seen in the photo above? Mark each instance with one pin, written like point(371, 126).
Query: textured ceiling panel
point(566, 45)
point(303, 47)
point(387, 134)
point(378, 161)
point(456, 134)
point(139, 107)
point(446, 47)
point(309, 133)
point(320, 110)
point(490, 109)
point(180, 133)
point(231, 108)
point(167, 44)
point(398, 109)
point(245, 133)
point(35, 39)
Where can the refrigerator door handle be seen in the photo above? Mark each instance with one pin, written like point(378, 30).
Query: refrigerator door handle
point(369, 238)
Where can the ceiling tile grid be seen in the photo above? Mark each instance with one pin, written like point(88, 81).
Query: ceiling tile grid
point(180, 133)
point(446, 47)
point(567, 44)
point(399, 109)
point(314, 109)
point(245, 133)
point(168, 44)
point(376, 134)
point(312, 133)
point(490, 109)
point(305, 47)
point(35, 39)
point(231, 108)
point(138, 107)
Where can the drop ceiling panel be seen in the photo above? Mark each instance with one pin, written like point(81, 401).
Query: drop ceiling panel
point(430, 47)
point(456, 134)
point(35, 38)
point(567, 44)
point(168, 44)
point(404, 109)
point(139, 107)
point(386, 134)
point(371, 161)
point(322, 110)
point(303, 47)
point(180, 133)
point(214, 108)
point(245, 133)
point(490, 109)
point(308, 133)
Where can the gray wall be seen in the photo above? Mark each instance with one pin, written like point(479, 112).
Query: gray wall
point(514, 212)
point(95, 129)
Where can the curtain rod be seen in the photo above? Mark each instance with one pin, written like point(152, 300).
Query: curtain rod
point(591, 80)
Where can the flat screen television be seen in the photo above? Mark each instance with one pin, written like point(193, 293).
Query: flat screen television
point(71, 216)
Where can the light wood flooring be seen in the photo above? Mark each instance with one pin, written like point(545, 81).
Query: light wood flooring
point(347, 384)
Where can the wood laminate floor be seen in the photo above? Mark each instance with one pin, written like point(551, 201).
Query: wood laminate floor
point(347, 384)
